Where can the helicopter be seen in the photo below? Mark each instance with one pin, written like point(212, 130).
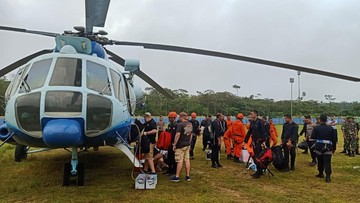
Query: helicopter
point(77, 96)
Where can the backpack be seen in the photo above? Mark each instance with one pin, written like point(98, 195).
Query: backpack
point(144, 145)
point(264, 158)
point(164, 141)
point(278, 158)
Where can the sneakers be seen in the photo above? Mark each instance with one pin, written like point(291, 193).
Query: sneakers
point(187, 178)
point(175, 179)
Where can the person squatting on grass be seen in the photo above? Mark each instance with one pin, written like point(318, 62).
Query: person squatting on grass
point(181, 146)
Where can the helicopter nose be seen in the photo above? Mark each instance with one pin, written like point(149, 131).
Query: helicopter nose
point(63, 133)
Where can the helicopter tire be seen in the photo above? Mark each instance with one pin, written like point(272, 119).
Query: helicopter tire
point(67, 174)
point(80, 174)
point(20, 153)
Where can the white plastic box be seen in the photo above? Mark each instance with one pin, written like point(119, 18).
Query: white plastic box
point(145, 181)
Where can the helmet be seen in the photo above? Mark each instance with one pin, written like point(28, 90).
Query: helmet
point(193, 115)
point(240, 116)
point(172, 114)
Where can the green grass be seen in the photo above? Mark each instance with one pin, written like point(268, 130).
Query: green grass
point(108, 179)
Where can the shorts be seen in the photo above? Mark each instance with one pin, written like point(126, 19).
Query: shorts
point(150, 155)
point(182, 154)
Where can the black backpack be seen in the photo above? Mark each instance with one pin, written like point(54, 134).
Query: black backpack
point(278, 157)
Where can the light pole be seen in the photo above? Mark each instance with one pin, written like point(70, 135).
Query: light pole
point(237, 87)
point(299, 96)
point(291, 101)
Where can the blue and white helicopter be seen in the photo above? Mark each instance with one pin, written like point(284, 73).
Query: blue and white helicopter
point(76, 96)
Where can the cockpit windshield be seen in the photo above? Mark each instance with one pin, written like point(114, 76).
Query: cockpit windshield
point(67, 72)
point(97, 78)
point(36, 77)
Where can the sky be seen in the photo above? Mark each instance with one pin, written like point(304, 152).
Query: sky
point(322, 34)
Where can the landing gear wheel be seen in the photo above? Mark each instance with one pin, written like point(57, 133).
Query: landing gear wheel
point(80, 174)
point(20, 152)
point(77, 179)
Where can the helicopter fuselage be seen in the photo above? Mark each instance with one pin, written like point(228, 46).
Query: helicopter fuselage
point(69, 99)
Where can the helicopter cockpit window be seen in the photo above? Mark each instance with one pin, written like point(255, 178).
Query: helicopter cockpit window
point(28, 112)
point(67, 72)
point(36, 76)
point(15, 83)
point(98, 117)
point(97, 78)
point(63, 103)
point(118, 86)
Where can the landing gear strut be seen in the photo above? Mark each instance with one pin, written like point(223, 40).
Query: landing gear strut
point(20, 152)
point(74, 171)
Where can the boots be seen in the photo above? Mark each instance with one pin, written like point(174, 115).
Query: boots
point(230, 156)
point(357, 152)
point(352, 154)
point(327, 179)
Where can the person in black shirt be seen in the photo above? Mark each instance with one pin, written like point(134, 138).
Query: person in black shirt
point(196, 132)
point(216, 128)
point(172, 126)
point(257, 133)
point(150, 130)
point(206, 131)
point(325, 145)
point(267, 130)
point(303, 131)
point(289, 139)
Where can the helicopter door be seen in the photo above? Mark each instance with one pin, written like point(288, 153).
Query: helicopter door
point(118, 87)
point(127, 92)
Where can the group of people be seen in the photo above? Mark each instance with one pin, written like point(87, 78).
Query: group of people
point(257, 135)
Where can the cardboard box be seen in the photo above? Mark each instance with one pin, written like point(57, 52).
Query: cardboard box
point(145, 181)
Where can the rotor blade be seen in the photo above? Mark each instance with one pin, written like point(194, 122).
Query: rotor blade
point(236, 57)
point(96, 11)
point(14, 29)
point(151, 82)
point(22, 61)
point(141, 75)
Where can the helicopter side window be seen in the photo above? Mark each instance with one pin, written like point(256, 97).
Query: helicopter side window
point(28, 112)
point(36, 76)
point(118, 86)
point(98, 116)
point(60, 102)
point(67, 72)
point(97, 78)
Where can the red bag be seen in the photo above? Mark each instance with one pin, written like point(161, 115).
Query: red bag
point(164, 141)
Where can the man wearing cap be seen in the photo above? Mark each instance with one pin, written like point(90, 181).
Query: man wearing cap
point(181, 147)
point(150, 130)
point(196, 132)
point(237, 131)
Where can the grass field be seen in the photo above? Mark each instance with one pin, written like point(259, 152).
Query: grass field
point(108, 179)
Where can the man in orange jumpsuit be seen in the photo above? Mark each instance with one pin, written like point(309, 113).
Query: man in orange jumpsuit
point(237, 131)
point(228, 139)
point(273, 132)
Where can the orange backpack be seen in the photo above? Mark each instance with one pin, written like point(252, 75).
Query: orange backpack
point(164, 141)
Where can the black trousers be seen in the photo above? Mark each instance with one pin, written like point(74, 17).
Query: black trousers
point(192, 145)
point(171, 161)
point(324, 162)
point(290, 152)
point(205, 140)
point(312, 153)
point(257, 149)
point(215, 153)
